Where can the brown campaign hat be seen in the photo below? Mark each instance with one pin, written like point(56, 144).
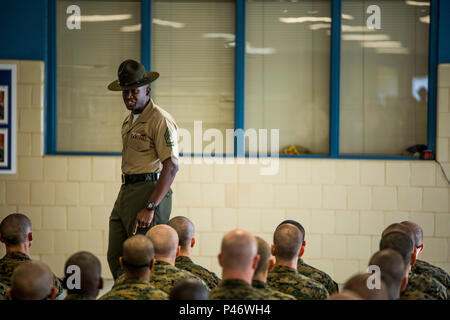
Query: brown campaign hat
point(131, 75)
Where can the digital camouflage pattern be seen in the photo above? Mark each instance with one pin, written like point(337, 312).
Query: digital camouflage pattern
point(78, 296)
point(11, 261)
point(134, 288)
point(164, 276)
point(210, 278)
point(318, 275)
point(270, 294)
point(289, 281)
point(427, 269)
point(421, 287)
point(235, 289)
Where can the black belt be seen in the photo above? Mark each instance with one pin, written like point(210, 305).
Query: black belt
point(134, 178)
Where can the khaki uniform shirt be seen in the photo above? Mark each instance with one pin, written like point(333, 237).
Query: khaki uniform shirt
point(150, 140)
point(185, 263)
point(289, 281)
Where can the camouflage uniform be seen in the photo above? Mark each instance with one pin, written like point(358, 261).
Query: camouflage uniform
point(270, 294)
point(427, 269)
point(288, 280)
point(185, 263)
point(134, 288)
point(421, 287)
point(318, 275)
point(78, 296)
point(164, 276)
point(235, 289)
point(12, 260)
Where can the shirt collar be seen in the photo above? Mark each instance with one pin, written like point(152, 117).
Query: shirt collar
point(283, 269)
point(183, 259)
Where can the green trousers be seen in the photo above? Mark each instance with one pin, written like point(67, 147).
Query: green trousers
point(132, 198)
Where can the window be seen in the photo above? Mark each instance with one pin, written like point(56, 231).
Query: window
point(312, 69)
point(89, 116)
point(384, 78)
point(193, 50)
point(288, 71)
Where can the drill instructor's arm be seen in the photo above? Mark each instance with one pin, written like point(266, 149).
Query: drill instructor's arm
point(169, 170)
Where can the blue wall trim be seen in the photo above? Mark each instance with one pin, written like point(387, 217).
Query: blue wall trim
point(432, 75)
point(23, 29)
point(50, 134)
point(35, 21)
point(146, 23)
point(239, 84)
point(335, 74)
point(444, 30)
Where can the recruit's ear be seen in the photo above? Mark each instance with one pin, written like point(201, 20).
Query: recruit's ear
point(219, 257)
point(192, 242)
point(271, 264)
point(53, 294)
point(255, 261)
point(302, 249)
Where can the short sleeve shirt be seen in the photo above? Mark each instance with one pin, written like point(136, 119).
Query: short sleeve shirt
point(150, 140)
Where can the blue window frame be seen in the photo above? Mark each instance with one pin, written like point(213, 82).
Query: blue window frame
point(335, 56)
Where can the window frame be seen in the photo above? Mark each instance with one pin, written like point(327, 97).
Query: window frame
point(50, 121)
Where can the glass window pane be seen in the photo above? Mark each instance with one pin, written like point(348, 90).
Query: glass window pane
point(192, 49)
point(288, 71)
point(89, 116)
point(384, 77)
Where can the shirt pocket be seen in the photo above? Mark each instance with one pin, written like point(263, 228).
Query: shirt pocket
point(138, 143)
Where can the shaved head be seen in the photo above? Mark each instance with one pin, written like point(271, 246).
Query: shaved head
point(165, 241)
point(399, 242)
point(344, 295)
point(287, 241)
point(416, 230)
point(358, 285)
point(189, 289)
point(14, 229)
point(137, 252)
point(399, 228)
point(392, 268)
point(32, 280)
point(238, 250)
point(185, 230)
point(264, 255)
point(91, 270)
point(298, 225)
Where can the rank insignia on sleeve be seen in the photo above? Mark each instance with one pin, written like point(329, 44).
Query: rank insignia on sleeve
point(169, 139)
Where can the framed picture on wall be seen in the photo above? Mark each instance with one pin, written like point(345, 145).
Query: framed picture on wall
point(3, 104)
point(8, 118)
point(3, 148)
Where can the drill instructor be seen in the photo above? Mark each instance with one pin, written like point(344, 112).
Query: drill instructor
point(149, 161)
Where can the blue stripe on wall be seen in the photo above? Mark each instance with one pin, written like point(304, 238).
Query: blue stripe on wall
point(444, 31)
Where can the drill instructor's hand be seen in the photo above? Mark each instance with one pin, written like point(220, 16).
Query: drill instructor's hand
point(143, 219)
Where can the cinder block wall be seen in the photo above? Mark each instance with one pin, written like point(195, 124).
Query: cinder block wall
point(344, 205)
